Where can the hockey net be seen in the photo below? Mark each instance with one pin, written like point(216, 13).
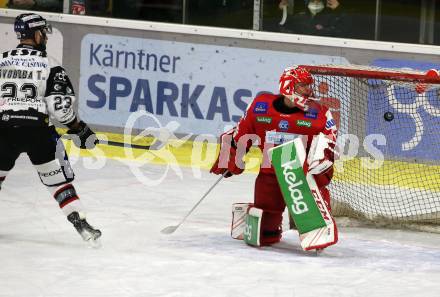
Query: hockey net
point(388, 172)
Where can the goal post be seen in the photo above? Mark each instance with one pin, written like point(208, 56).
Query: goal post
point(388, 172)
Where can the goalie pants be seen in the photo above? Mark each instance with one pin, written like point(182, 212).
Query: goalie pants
point(268, 197)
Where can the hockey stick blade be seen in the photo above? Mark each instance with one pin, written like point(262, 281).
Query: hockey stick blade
point(169, 229)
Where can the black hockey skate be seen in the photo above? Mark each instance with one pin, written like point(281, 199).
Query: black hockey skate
point(86, 231)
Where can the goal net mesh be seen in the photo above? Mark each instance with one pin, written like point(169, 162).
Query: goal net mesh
point(388, 169)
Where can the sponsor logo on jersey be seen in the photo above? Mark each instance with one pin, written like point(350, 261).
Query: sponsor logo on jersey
point(25, 63)
point(266, 120)
point(278, 138)
point(57, 87)
point(61, 77)
point(302, 123)
point(26, 100)
point(311, 114)
point(260, 107)
point(7, 117)
point(283, 125)
point(330, 123)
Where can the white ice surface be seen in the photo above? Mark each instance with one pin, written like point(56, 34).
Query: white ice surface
point(42, 255)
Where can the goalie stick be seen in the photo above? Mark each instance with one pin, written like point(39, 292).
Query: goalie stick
point(172, 229)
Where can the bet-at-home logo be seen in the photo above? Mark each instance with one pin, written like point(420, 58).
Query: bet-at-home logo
point(293, 182)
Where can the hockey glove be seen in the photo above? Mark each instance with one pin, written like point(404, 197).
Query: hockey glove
point(86, 136)
point(227, 159)
point(321, 154)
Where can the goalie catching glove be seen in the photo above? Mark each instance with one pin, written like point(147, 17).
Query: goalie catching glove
point(227, 159)
point(86, 137)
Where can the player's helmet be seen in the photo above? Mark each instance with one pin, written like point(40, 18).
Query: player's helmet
point(26, 24)
point(288, 84)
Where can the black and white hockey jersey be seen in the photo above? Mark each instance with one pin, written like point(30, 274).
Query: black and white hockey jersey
point(33, 89)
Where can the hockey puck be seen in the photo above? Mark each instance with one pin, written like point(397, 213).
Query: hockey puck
point(388, 116)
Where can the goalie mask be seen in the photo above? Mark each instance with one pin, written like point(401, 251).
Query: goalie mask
point(295, 84)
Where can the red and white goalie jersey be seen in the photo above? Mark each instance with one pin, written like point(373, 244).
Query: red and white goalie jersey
point(271, 123)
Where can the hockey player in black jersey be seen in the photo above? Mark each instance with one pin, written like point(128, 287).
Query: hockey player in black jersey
point(34, 91)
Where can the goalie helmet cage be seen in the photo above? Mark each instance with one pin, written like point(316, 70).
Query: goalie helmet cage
point(388, 173)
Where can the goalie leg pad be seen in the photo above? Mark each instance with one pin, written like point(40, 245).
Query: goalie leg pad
point(252, 229)
point(254, 232)
point(239, 212)
point(325, 193)
point(303, 198)
point(53, 174)
point(327, 235)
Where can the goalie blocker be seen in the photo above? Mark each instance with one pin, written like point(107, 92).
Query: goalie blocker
point(316, 227)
